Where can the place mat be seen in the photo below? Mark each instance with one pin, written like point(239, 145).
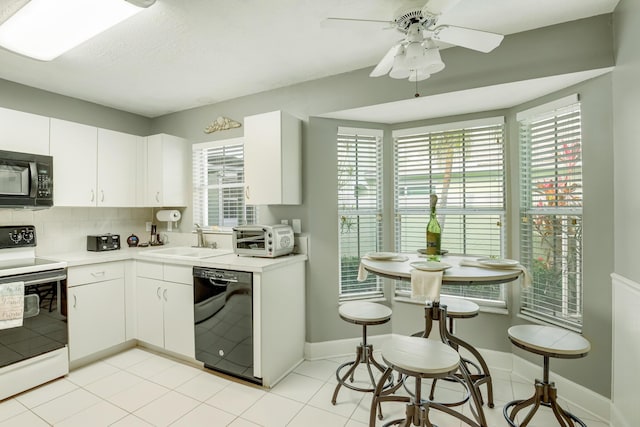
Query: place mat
point(526, 276)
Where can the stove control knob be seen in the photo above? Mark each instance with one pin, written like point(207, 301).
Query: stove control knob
point(28, 236)
point(15, 236)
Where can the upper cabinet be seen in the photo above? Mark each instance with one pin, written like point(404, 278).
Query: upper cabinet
point(24, 132)
point(272, 159)
point(74, 148)
point(166, 177)
point(93, 167)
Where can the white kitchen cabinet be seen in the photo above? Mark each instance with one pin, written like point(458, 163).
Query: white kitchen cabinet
point(95, 308)
point(272, 159)
point(117, 163)
point(92, 166)
point(166, 171)
point(74, 148)
point(24, 132)
point(164, 305)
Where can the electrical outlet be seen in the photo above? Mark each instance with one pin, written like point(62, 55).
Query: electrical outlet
point(148, 225)
point(297, 225)
point(284, 221)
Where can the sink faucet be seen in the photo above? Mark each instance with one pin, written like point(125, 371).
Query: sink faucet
point(201, 242)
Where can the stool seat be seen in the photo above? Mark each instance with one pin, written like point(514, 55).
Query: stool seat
point(361, 312)
point(549, 340)
point(420, 355)
point(459, 308)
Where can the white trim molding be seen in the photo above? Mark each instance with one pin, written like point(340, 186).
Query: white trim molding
point(625, 353)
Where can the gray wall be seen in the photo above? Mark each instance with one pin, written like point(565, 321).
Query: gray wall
point(24, 98)
point(626, 110)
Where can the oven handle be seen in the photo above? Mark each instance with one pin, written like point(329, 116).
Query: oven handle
point(221, 283)
point(45, 280)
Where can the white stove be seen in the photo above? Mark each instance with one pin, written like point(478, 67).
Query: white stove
point(33, 333)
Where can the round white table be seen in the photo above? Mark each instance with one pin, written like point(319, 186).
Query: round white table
point(456, 275)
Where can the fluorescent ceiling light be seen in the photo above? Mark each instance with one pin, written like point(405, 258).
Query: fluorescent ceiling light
point(45, 29)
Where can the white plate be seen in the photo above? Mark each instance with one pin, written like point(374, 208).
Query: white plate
point(430, 265)
point(382, 255)
point(498, 262)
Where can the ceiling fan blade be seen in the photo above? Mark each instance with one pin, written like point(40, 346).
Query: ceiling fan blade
point(438, 7)
point(385, 64)
point(481, 41)
point(351, 22)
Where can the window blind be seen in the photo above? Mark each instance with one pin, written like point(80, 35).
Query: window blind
point(463, 164)
point(551, 214)
point(218, 185)
point(359, 161)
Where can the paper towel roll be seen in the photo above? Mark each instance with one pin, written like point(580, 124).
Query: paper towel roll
point(168, 215)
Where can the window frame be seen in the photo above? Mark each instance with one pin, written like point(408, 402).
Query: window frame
point(558, 208)
point(372, 241)
point(471, 131)
point(201, 186)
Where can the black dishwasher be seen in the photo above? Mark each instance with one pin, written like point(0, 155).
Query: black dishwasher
point(223, 313)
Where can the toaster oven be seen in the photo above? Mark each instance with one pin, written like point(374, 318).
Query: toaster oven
point(267, 241)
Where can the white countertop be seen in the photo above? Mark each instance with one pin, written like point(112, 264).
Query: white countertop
point(229, 262)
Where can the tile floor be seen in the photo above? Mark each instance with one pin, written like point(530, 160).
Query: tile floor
point(140, 388)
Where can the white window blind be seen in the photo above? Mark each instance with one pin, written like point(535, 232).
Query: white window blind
point(463, 164)
point(359, 207)
point(551, 213)
point(218, 185)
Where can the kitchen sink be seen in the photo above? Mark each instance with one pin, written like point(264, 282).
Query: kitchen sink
point(187, 252)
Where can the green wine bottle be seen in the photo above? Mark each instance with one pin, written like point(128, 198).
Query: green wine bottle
point(434, 232)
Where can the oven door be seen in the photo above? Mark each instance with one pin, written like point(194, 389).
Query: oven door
point(44, 323)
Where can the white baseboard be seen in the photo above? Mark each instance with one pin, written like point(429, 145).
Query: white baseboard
point(571, 392)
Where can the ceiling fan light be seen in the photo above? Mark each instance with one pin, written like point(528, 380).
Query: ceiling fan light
point(399, 73)
point(418, 75)
point(415, 55)
point(433, 61)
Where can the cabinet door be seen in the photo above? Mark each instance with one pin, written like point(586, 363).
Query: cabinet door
point(178, 319)
point(166, 171)
point(74, 148)
point(117, 161)
point(96, 318)
point(149, 308)
point(24, 132)
point(272, 162)
point(154, 171)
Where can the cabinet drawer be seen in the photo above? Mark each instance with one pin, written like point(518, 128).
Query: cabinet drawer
point(178, 274)
point(151, 270)
point(94, 273)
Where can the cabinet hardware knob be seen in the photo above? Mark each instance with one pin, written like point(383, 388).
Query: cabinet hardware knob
point(97, 273)
point(165, 294)
point(93, 196)
point(102, 195)
point(158, 196)
point(75, 301)
point(246, 192)
point(158, 292)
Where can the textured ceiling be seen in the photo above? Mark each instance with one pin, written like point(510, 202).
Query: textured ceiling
point(181, 54)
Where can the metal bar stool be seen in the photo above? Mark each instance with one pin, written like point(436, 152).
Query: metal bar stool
point(365, 314)
point(460, 308)
point(547, 341)
point(418, 358)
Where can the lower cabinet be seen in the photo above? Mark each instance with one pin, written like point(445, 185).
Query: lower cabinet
point(95, 308)
point(165, 309)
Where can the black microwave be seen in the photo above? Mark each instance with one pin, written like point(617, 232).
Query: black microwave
point(26, 180)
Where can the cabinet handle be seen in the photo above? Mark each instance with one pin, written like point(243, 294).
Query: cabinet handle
point(75, 301)
point(102, 195)
point(158, 292)
point(98, 274)
point(158, 196)
point(164, 294)
point(246, 192)
point(93, 196)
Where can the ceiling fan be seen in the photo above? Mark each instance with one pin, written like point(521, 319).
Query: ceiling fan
point(417, 56)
